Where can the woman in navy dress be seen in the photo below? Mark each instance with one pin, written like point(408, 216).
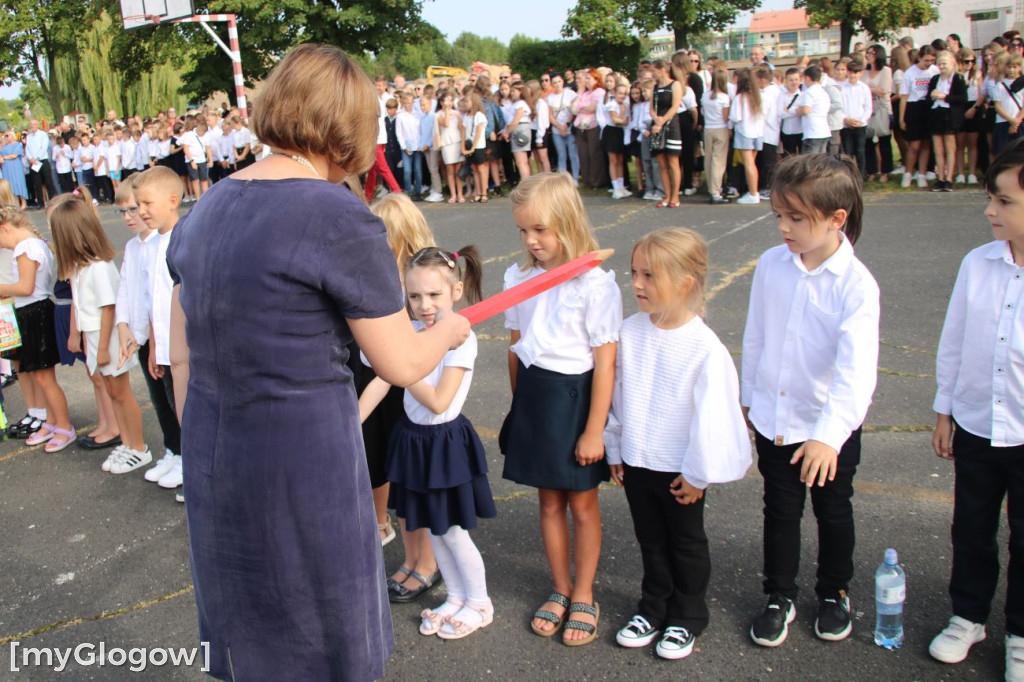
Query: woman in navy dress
point(279, 268)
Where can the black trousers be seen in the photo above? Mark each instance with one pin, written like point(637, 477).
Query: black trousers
point(791, 143)
point(67, 182)
point(674, 548)
point(688, 155)
point(40, 178)
point(766, 160)
point(854, 140)
point(784, 497)
point(885, 145)
point(161, 394)
point(985, 475)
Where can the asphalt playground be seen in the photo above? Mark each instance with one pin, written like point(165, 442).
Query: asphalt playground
point(91, 558)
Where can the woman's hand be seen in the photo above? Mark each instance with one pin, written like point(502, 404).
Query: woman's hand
point(455, 325)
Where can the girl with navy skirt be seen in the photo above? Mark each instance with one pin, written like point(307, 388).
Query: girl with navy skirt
point(436, 463)
point(562, 370)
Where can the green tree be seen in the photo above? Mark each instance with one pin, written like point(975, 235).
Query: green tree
point(534, 57)
point(615, 21)
point(880, 19)
point(469, 47)
point(36, 33)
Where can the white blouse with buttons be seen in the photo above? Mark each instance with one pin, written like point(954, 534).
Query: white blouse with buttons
point(980, 366)
point(810, 347)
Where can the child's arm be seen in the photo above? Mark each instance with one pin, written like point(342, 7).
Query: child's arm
point(853, 383)
point(155, 370)
point(613, 430)
point(74, 336)
point(753, 340)
point(106, 329)
point(371, 396)
point(590, 446)
point(947, 365)
point(26, 283)
point(439, 398)
point(513, 359)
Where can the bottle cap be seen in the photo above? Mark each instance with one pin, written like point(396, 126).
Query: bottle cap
point(891, 557)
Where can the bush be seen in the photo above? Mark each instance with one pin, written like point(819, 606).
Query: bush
point(532, 59)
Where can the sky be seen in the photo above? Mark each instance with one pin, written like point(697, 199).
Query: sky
point(534, 18)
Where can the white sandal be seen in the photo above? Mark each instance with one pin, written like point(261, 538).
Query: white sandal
point(460, 629)
point(386, 526)
point(431, 620)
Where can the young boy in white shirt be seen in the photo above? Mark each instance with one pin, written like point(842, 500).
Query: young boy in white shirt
point(197, 158)
point(791, 133)
point(813, 107)
point(856, 97)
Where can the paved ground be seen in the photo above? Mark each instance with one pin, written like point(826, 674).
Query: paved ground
point(91, 558)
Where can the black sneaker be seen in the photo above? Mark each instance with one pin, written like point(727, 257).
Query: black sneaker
point(771, 627)
point(833, 621)
point(948, 187)
point(939, 186)
point(637, 633)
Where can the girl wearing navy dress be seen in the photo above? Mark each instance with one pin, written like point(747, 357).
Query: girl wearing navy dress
point(436, 462)
point(562, 371)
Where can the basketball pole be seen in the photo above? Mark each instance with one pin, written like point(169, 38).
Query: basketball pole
point(233, 52)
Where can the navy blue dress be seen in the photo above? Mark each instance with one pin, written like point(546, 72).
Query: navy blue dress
point(289, 575)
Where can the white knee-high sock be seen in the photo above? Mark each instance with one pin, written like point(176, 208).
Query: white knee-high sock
point(449, 568)
point(468, 562)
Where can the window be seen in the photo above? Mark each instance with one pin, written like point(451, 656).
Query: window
point(787, 37)
point(832, 33)
point(811, 34)
point(984, 16)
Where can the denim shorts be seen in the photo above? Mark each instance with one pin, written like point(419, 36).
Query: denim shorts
point(743, 142)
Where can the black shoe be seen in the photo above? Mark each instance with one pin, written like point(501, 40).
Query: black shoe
point(718, 200)
point(948, 187)
point(771, 627)
point(90, 443)
point(9, 379)
point(833, 621)
point(939, 186)
point(400, 594)
point(14, 427)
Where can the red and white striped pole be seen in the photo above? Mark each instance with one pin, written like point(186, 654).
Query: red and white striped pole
point(232, 50)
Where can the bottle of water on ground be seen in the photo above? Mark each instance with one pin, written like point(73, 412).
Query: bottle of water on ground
point(890, 593)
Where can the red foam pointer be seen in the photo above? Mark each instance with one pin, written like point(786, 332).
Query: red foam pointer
point(489, 307)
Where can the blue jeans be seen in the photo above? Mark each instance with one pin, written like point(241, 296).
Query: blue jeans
point(412, 164)
point(561, 145)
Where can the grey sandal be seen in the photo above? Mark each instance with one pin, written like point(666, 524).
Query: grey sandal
point(550, 616)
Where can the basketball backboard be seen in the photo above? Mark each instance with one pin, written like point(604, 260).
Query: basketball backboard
point(139, 13)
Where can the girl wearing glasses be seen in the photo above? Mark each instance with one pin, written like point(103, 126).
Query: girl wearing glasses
point(967, 138)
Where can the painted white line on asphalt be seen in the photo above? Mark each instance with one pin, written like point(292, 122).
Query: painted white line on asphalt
point(739, 229)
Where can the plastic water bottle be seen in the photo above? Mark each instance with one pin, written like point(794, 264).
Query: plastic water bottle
point(890, 593)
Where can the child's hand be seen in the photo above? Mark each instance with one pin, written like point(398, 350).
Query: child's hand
point(746, 417)
point(590, 448)
point(617, 474)
point(102, 357)
point(819, 462)
point(155, 370)
point(942, 436)
point(684, 492)
point(75, 343)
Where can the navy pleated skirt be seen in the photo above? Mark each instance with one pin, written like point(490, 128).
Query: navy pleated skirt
point(548, 414)
point(438, 475)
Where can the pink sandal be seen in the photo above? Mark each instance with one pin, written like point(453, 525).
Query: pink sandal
point(431, 620)
point(44, 434)
point(60, 439)
point(460, 629)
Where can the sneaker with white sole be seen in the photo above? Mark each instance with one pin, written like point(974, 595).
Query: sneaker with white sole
point(972, 179)
point(952, 644)
point(173, 478)
point(676, 643)
point(833, 621)
point(930, 175)
point(621, 193)
point(898, 170)
point(114, 456)
point(689, 191)
point(771, 626)
point(131, 460)
point(648, 196)
point(637, 633)
point(1014, 658)
point(157, 471)
point(749, 198)
point(905, 182)
point(434, 198)
point(922, 180)
point(960, 179)
point(180, 496)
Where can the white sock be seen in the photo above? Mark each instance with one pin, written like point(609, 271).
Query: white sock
point(617, 183)
point(468, 562)
point(449, 569)
point(38, 412)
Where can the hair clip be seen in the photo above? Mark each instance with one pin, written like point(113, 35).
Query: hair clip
point(447, 260)
point(76, 192)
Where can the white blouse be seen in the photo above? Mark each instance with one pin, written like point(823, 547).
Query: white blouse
point(464, 356)
point(561, 327)
point(36, 250)
point(676, 406)
point(93, 287)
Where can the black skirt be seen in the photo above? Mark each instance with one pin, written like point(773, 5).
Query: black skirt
point(612, 141)
point(973, 124)
point(548, 414)
point(38, 348)
point(438, 475)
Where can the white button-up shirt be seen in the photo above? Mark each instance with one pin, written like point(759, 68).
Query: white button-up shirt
point(160, 288)
point(37, 146)
point(810, 347)
point(980, 366)
point(133, 297)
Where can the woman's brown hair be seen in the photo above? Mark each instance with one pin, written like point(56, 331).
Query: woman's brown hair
point(336, 99)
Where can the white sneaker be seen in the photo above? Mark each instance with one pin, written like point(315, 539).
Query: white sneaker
point(648, 196)
point(689, 191)
point(905, 182)
point(952, 644)
point(749, 198)
point(972, 179)
point(922, 180)
point(131, 460)
point(114, 456)
point(676, 643)
point(180, 496)
point(173, 478)
point(434, 198)
point(930, 175)
point(158, 470)
point(621, 193)
point(1014, 658)
point(658, 195)
point(959, 179)
point(637, 633)
point(898, 170)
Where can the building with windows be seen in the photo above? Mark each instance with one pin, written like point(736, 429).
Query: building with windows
point(786, 34)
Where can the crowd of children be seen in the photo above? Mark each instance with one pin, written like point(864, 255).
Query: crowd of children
point(654, 402)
